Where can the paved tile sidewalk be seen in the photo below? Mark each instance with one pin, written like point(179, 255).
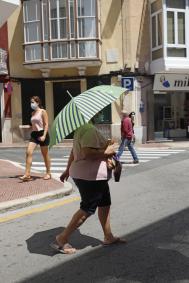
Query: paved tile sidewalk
point(14, 191)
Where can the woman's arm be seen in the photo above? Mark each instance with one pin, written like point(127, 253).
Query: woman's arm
point(45, 123)
point(65, 174)
point(95, 153)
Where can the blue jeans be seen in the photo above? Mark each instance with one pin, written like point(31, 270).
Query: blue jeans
point(125, 142)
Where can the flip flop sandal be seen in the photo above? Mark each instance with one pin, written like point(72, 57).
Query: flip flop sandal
point(115, 242)
point(47, 177)
point(63, 249)
point(26, 178)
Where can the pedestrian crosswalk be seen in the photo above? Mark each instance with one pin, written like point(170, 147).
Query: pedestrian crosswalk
point(58, 165)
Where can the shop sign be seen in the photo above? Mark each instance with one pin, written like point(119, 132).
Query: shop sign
point(3, 62)
point(128, 82)
point(171, 82)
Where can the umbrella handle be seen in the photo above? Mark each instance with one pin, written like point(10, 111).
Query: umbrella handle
point(69, 94)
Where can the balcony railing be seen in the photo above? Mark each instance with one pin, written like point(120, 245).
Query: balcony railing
point(3, 62)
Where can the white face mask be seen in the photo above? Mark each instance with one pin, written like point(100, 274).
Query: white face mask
point(34, 105)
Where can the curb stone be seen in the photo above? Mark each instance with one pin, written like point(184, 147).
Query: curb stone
point(36, 199)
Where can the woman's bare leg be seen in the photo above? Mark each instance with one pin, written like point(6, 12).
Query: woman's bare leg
point(77, 220)
point(29, 153)
point(45, 153)
point(104, 218)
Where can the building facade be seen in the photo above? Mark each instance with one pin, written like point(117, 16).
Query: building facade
point(60, 45)
point(170, 67)
point(161, 56)
point(6, 9)
point(63, 45)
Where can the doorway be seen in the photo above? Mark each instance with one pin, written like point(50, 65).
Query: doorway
point(61, 97)
point(31, 88)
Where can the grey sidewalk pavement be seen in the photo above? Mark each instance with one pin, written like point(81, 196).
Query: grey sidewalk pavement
point(150, 144)
point(15, 193)
point(24, 144)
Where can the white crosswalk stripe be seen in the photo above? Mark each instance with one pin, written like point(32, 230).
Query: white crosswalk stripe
point(58, 165)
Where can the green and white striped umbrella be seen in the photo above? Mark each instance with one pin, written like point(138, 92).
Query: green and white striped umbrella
point(81, 109)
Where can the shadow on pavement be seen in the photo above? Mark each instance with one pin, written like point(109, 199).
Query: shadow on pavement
point(39, 242)
point(158, 253)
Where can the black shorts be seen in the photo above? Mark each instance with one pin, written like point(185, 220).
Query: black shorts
point(93, 194)
point(35, 138)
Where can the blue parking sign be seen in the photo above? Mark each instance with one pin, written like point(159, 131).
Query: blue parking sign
point(128, 82)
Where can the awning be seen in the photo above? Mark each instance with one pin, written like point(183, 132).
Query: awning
point(171, 82)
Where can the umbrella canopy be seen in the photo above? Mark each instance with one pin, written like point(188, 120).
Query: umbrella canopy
point(81, 109)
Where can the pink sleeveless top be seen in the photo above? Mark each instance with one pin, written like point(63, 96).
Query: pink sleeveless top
point(37, 121)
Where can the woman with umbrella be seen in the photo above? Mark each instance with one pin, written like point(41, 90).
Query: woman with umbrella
point(87, 166)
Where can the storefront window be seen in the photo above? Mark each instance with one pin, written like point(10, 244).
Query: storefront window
point(171, 114)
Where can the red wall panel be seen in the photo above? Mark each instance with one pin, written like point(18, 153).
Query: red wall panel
point(4, 37)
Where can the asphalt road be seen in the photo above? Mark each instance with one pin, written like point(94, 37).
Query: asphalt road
point(18, 154)
point(150, 208)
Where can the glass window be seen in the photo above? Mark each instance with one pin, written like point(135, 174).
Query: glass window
point(177, 4)
point(86, 8)
point(156, 6)
point(32, 32)
point(87, 49)
point(86, 18)
point(63, 19)
point(45, 20)
point(157, 30)
point(153, 31)
point(72, 50)
point(159, 19)
point(156, 54)
point(72, 18)
point(176, 52)
point(32, 26)
point(51, 20)
point(87, 27)
point(31, 10)
point(54, 29)
point(33, 52)
point(58, 19)
point(59, 50)
point(181, 28)
point(46, 51)
point(62, 9)
point(53, 9)
point(170, 28)
point(63, 28)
